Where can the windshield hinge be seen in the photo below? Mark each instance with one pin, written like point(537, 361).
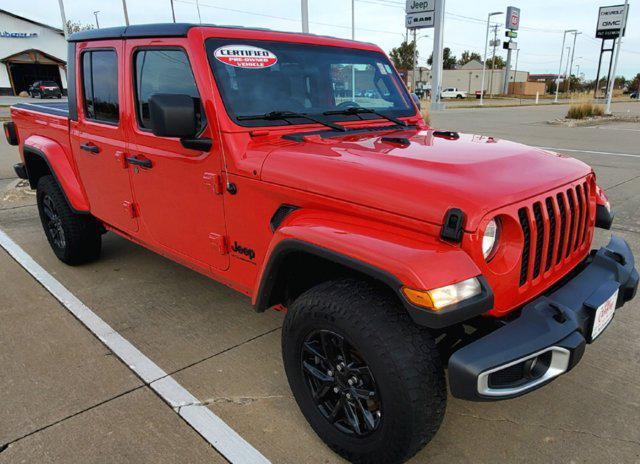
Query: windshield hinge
point(214, 181)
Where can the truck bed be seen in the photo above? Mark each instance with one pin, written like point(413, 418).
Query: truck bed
point(55, 108)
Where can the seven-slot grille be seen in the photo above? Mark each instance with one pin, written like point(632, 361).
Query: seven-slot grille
point(553, 229)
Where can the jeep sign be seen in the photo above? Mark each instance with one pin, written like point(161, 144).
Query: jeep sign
point(610, 21)
point(420, 13)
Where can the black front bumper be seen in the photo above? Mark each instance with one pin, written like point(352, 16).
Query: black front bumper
point(549, 337)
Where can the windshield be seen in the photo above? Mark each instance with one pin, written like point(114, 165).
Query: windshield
point(259, 77)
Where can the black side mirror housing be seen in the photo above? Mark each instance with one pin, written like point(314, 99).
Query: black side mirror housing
point(172, 115)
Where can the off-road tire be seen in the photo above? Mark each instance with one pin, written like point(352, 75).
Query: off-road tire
point(401, 355)
point(82, 237)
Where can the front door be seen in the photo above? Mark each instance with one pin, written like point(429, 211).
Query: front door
point(98, 138)
point(181, 208)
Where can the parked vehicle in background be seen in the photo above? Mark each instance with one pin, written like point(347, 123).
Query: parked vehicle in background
point(45, 89)
point(396, 249)
point(634, 95)
point(453, 92)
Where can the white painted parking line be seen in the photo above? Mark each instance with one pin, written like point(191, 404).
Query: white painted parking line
point(630, 155)
point(213, 429)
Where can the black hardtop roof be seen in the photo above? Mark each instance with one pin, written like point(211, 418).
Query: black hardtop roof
point(157, 30)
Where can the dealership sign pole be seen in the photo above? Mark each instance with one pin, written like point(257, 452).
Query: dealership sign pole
point(610, 24)
point(429, 13)
point(612, 80)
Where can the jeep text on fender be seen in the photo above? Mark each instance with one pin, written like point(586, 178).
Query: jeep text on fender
point(250, 156)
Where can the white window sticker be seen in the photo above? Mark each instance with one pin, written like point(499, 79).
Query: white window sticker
point(382, 69)
point(245, 56)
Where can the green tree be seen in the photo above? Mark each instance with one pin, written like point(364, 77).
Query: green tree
point(76, 26)
point(500, 63)
point(402, 56)
point(634, 85)
point(448, 60)
point(468, 56)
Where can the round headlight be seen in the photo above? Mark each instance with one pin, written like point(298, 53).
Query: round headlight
point(490, 239)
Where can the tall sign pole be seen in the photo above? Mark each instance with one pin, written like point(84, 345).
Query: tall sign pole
point(612, 80)
point(421, 14)
point(512, 24)
point(304, 13)
point(436, 66)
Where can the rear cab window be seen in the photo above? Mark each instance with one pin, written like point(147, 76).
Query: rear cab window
point(100, 86)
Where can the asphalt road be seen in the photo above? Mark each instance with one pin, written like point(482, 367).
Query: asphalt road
point(67, 398)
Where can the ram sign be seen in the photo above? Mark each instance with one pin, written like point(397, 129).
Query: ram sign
point(610, 20)
point(420, 13)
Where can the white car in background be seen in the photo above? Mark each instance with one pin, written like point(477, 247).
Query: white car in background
point(452, 92)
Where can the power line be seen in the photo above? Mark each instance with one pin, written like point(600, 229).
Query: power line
point(284, 18)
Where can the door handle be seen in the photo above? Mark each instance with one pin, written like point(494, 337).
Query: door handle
point(90, 147)
point(143, 162)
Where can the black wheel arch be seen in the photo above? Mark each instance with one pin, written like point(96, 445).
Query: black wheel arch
point(310, 265)
point(37, 165)
point(296, 266)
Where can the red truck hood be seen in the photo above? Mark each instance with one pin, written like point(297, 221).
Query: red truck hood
point(425, 178)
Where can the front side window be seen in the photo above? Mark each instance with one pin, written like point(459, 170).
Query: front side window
point(259, 77)
point(164, 71)
point(100, 85)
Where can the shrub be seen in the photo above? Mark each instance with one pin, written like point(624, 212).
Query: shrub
point(584, 110)
point(426, 116)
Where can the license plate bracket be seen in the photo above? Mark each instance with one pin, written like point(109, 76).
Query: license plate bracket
point(602, 304)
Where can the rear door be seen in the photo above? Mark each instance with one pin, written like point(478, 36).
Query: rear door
point(98, 137)
point(179, 195)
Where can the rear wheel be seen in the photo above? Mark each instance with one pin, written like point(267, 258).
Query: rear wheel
point(368, 380)
point(459, 97)
point(75, 238)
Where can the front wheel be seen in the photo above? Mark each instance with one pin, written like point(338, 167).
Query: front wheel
point(367, 379)
point(75, 238)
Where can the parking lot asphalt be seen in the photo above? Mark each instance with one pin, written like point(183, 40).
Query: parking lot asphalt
point(68, 399)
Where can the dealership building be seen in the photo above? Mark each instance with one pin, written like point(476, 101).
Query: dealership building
point(30, 51)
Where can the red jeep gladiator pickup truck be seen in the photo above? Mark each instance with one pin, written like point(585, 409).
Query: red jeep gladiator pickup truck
point(297, 170)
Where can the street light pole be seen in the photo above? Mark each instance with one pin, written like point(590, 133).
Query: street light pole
point(566, 69)
point(304, 10)
point(126, 14)
point(95, 13)
point(564, 38)
point(173, 12)
point(612, 81)
point(486, 47)
point(353, 37)
point(64, 19)
point(573, 51)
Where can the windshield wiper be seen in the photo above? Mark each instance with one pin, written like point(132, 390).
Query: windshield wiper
point(286, 115)
point(357, 110)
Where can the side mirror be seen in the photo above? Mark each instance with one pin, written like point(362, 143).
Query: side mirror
point(416, 100)
point(172, 115)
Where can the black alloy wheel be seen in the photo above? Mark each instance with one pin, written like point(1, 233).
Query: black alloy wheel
point(341, 383)
point(53, 222)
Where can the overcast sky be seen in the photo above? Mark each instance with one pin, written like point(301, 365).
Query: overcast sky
point(381, 22)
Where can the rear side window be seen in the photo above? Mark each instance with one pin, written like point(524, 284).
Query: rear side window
point(163, 71)
point(100, 85)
